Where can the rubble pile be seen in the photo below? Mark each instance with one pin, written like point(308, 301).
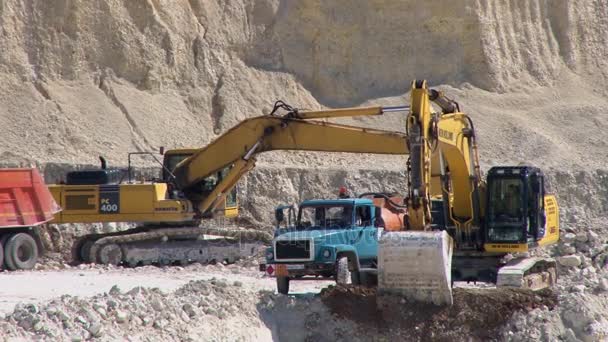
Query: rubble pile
point(200, 308)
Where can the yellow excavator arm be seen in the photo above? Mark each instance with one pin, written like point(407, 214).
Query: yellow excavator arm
point(237, 147)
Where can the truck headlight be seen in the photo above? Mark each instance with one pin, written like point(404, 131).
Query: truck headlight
point(269, 255)
point(326, 253)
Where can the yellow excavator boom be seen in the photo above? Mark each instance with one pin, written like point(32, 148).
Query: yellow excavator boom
point(237, 149)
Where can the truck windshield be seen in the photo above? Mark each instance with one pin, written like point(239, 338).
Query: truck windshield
point(325, 217)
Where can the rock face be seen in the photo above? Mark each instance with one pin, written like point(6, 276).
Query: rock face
point(108, 77)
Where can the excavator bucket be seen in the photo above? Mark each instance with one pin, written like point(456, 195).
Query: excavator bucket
point(416, 265)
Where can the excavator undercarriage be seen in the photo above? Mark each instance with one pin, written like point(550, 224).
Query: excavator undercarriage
point(170, 245)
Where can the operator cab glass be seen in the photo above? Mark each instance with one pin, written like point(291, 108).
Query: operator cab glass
point(325, 217)
point(171, 161)
point(515, 208)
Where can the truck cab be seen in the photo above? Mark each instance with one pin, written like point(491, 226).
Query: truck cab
point(335, 238)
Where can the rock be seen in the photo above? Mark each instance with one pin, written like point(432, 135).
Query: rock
point(115, 290)
point(137, 291)
point(578, 288)
point(51, 310)
point(160, 324)
point(568, 237)
point(102, 312)
point(570, 260)
point(567, 249)
point(121, 317)
point(582, 237)
point(136, 320)
point(189, 309)
point(81, 319)
point(76, 338)
point(157, 305)
point(238, 283)
point(112, 304)
point(593, 236)
point(32, 308)
point(603, 286)
point(95, 329)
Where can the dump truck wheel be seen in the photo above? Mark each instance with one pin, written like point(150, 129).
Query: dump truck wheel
point(8, 261)
point(283, 285)
point(1, 257)
point(21, 252)
point(343, 275)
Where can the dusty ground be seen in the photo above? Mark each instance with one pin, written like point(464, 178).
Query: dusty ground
point(107, 303)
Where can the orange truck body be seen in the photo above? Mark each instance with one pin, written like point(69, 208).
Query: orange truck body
point(393, 217)
point(25, 200)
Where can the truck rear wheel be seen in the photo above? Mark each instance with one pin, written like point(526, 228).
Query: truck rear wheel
point(1, 257)
point(21, 252)
point(343, 275)
point(283, 285)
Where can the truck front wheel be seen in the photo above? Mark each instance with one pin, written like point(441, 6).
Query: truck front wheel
point(283, 285)
point(343, 275)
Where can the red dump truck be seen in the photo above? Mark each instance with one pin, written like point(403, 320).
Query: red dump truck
point(25, 204)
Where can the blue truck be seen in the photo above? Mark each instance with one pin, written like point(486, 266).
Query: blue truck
point(327, 239)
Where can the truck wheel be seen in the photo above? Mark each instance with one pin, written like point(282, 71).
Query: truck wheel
point(283, 285)
point(21, 252)
point(8, 261)
point(343, 274)
point(1, 257)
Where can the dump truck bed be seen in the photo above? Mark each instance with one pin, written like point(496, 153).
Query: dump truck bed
point(25, 200)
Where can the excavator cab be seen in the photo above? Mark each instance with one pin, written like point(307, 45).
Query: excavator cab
point(173, 157)
point(515, 207)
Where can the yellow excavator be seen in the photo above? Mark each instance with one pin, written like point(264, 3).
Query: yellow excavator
point(458, 226)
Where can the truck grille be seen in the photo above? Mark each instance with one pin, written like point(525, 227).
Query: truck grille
point(294, 249)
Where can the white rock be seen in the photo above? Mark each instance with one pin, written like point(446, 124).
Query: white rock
point(593, 236)
point(121, 316)
point(570, 260)
point(578, 288)
point(603, 284)
point(568, 237)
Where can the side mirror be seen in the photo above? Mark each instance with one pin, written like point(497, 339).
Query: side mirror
point(161, 150)
point(279, 215)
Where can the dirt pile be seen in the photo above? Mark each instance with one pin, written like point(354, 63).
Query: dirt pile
point(477, 313)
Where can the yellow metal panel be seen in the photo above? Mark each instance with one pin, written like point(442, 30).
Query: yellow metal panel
point(505, 247)
point(138, 203)
point(456, 152)
point(552, 224)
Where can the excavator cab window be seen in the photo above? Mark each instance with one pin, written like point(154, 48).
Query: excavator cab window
point(506, 207)
point(170, 162)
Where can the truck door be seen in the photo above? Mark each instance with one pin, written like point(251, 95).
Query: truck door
point(366, 241)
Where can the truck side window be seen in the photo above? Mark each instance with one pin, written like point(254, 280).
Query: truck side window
point(364, 217)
